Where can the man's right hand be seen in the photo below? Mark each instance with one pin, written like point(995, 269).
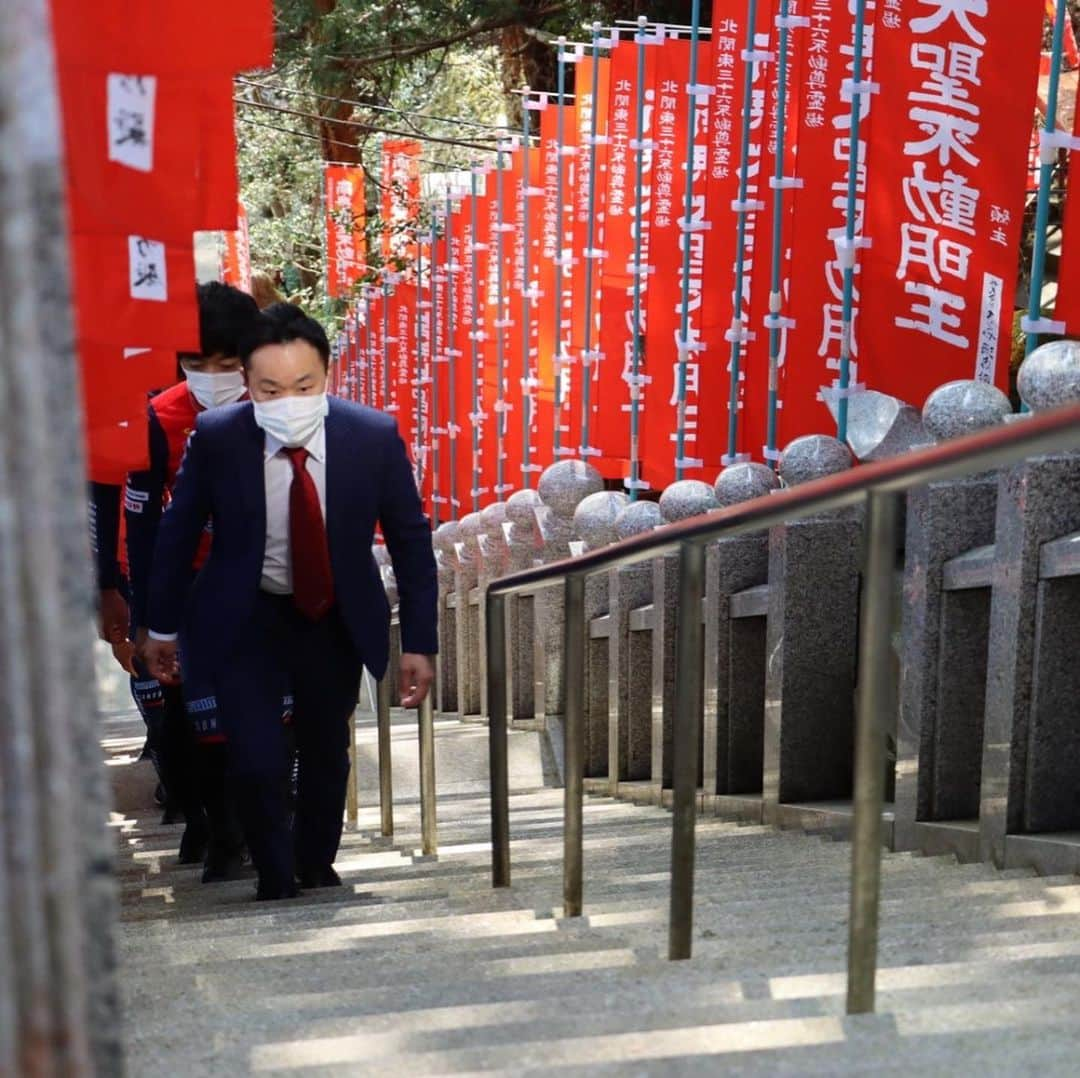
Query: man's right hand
point(162, 661)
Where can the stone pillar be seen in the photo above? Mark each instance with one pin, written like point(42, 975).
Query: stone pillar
point(594, 523)
point(943, 637)
point(629, 679)
point(735, 645)
point(811, 642)
point(446, 535)
point(58, 992)
point(525, 547)
point(1029, 770)
point(469, 673)
point(683, 499)
point(490, 565)
point(561, 488)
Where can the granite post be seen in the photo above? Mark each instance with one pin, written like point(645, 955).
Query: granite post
point(811, 642)
point(467, 645)
point(59, 1009)
point(525, 546)
point(629, 695)
point(446, 560)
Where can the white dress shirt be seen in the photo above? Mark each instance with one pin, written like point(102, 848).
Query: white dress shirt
point(278, 471)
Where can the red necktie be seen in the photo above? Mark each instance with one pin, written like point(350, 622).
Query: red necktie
point(313, 580)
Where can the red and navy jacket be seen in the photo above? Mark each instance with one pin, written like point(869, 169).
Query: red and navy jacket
point(172, 416)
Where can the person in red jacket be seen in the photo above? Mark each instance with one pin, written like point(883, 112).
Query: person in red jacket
point(190, 748)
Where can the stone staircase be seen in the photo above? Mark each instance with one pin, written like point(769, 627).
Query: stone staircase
point(418, 967)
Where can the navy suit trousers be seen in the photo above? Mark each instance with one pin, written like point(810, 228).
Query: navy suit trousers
point(281, 652)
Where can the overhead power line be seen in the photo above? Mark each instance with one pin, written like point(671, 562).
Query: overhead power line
point(410, 114)
point(371, 128)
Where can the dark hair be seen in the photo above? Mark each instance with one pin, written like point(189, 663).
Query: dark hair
point(226, 316)
point(281, 323)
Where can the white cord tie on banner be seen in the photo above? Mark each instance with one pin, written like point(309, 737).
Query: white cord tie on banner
point(454, 352)
point(537, 106)
point(502, 407)
point(477, 417)
point(786, 183)
point(529, 469)
point(739, 458)
point(693, 226)
point(779, 322)
point(847, 250)
point(835, 393)
point(642, 144)
point(596, 140)
point(477, 248)
point(792, 22)
point(688, 462)
point(510, 145)
point(757, 56)
point(637, 380)
point(567, 151)
point(634, 484)
point(530, 383)
point(476, 492)
point(565, 451)
point(534, 293)
point(771, 454)
point(477, 335)
point(1052, 141)
point(739, 334)
point(750, 206)
point(849, 88)
point(589, 451)
point(506, 488)
point(1042, 326)
point(504, 227)
point(594, 252)
point(391, 340)
point(688, 348)
point(657, 37)
point(503, 323)
point(535, 192)
point(700, 91)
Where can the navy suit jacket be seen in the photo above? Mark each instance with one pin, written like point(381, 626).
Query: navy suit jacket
point(368, 480)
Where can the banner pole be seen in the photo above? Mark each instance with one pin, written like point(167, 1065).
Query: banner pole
point(1047, 159)
point(639, 236)
point(418, 435)
point(474, 342)
point(386, 341)
point(526, 313)
point(500, 325)
point(688, 215)
point(780, 182)
point(560, 352)
point(584, 451)
point(849, 256)
point(369, 366)
point(738, 322)
point(452, 427)
point(433, 341)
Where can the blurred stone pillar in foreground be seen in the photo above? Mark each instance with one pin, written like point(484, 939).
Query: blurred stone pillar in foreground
point(58, 999)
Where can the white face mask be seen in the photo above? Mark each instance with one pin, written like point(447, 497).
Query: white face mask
point(213, 390)
point(292, 420)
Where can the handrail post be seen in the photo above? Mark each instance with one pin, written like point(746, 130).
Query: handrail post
point(352, 794)
point(429, 835)
point(875, 705)
point(495, 631)
point(574, 746)
point(687, 726)
point(386, 782)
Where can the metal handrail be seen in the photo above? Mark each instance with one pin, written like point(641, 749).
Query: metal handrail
point(880, 486)
point(426, 736)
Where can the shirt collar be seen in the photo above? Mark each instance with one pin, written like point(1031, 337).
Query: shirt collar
point(315, 445)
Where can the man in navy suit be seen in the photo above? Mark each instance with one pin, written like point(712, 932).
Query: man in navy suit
point(290, 598)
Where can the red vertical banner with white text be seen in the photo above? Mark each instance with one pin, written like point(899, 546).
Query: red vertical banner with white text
point(588, 224)
point(821, 131)
point(544, 234)
point(400, 200)
point(402, 358)
point(460, 374)
point(625, 213)
point(346, 253)
point(946, 205)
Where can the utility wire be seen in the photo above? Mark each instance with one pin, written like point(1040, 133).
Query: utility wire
point(366, 126)
point(411, 114)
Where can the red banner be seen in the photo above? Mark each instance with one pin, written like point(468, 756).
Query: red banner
point(946, 201)
point(400, 200)
point(588, 224)
point(236, 264)
point(346, 249)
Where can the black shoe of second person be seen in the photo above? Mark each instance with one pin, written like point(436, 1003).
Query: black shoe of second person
point(225, 864)
point(193, 845)
point(312, 879)
point(273, 892)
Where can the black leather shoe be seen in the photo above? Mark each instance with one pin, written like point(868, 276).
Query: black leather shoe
point(225, 864)
point(312, 879)
point(272, 893)
point(193, 845)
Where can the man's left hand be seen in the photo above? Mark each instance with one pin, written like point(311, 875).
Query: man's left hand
point(415, 676)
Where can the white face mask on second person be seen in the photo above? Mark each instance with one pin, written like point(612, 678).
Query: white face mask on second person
point(214, 390)
point(292, 420)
